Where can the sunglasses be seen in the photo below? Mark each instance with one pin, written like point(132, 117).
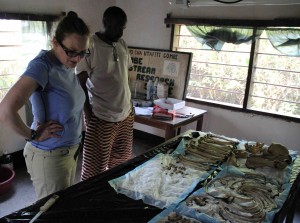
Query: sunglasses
point(72, 53)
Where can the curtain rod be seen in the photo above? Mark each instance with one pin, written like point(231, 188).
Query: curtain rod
point(233, 22)
point(30, 17)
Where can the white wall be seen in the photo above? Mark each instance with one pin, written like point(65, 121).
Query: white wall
point(146, 28)
point(10, 141)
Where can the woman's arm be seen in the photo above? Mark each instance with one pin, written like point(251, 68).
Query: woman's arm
point(16, 97)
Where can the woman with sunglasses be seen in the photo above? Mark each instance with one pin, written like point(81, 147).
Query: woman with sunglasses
point(57, 101)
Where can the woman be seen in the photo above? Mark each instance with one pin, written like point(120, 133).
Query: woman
point(57, 99)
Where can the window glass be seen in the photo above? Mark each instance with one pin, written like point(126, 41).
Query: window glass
point(20, 41)
point(220, 77)
point(276, 81)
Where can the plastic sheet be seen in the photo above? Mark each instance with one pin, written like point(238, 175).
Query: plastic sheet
point(156, 186)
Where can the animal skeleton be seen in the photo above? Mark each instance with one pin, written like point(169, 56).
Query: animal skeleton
point(275, 156)
point(207, 151)
point(237, 199)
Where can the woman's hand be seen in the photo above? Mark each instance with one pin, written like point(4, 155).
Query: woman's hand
point(48, 130)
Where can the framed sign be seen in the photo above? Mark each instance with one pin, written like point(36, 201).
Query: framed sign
point(171, 68)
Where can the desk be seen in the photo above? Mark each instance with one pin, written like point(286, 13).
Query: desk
point(94, 200)
point(172, 128)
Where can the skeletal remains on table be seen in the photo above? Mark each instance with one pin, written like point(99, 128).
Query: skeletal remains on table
point(275, 156)
point(173, 169)
point(211, 150)
point(173, 217)
point(207, 151)
point(237, 199)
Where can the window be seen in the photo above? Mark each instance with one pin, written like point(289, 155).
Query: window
point(275, 85)
point(251, 76)
point(20, 41)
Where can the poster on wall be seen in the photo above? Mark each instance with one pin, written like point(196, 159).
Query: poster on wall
point(170, 68)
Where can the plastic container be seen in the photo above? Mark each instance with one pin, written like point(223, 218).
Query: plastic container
point(162, 90)
point(6, 178)
point(154, 97)
point(149, 90)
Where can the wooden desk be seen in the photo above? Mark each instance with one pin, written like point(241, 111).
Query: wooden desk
point(173, 127)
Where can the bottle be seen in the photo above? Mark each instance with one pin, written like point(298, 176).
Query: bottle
point(133, 89)
point(155, 89)
point(149, 89)
point(162, 90)
point(6, 161)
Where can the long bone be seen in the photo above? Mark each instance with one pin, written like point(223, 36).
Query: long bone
point(192, 163)
point(210, 149)
point(220, 148)
point(206, 158)
point(217, 142)
point(212, 135)
point(203, 156)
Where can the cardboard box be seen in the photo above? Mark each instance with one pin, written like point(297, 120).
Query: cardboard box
point(170, 103)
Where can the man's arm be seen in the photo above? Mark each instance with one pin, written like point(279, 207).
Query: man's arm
point(82, 77)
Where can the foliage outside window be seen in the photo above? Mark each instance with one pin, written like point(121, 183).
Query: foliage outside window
point(20, 41)
point(250, 75)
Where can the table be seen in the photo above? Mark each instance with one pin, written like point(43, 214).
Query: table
point(94, 200)
point(173, 127)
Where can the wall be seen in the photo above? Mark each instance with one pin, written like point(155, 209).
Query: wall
point(146, 28)
point(10, 141)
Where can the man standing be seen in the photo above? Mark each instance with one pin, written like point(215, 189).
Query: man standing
point(109, 114)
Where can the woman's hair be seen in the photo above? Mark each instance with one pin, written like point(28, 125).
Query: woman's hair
point(71, 23)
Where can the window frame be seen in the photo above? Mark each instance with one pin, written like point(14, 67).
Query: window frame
point(239, 24)
point(48, 19)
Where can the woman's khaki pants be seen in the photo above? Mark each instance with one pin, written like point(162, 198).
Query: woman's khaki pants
point(53, 170)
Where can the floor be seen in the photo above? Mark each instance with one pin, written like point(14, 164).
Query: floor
point(22, 193)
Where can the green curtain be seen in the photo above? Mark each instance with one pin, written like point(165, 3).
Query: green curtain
point(285, 40)
point(215, 37)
